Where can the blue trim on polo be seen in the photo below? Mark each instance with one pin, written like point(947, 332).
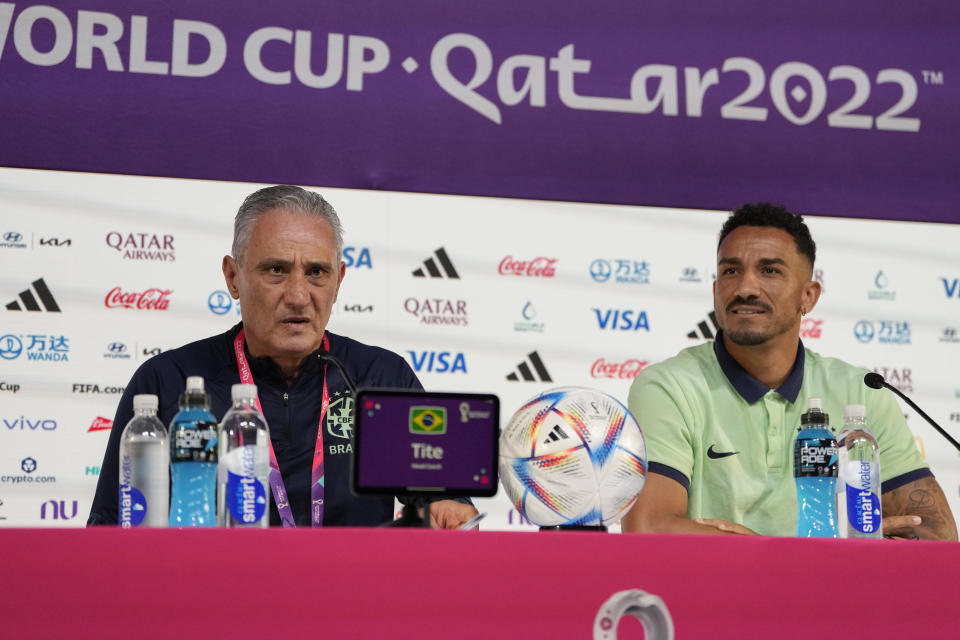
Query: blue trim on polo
point(751, 389)
point(670, 472)
point(905, 478)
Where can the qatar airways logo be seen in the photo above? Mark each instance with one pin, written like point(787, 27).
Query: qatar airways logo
point(617, 370)
point(539, 267)
point(150, 300)
point(142, 246)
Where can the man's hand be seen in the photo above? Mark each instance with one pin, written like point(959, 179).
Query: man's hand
point(726, 527)
point(924, 499)
point(450, 514)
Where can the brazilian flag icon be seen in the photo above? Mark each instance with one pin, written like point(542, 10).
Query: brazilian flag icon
point(432, 420)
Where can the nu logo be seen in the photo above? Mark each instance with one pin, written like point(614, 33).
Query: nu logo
point(523, 368)
point(59, 510)
point(431, 266)
point(30, 302)
point(707, 331)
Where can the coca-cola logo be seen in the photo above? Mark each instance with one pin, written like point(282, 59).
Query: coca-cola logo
point(539, 267)
point(810, 328)
point(150, 300)
point(621, 370)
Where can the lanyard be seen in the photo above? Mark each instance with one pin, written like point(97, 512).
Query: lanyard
point(276, 480)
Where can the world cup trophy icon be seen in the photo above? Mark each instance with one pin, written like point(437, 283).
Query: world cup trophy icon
point(648, 608)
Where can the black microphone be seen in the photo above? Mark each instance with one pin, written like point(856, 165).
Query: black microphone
point(327, 357)
point(876, 381)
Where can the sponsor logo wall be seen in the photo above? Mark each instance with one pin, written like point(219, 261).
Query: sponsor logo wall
point(477, 294)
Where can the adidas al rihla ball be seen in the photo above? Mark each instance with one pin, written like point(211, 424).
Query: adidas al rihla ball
point(572, 456)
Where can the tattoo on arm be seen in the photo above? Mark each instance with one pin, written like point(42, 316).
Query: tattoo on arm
point(923, 498)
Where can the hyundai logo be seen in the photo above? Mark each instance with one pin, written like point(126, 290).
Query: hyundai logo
point(12, 236)
point(600, 270)
point(219, 302)
point(29, 465)
point(117, 347)
point(10, 347)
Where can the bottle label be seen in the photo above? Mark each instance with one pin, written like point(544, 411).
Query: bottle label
point(133, 506)
point(815, 457)
point(246, 498)
point(194, 441)
point(863, 504)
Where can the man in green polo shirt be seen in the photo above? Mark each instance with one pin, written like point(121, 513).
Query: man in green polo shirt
point(720, 418)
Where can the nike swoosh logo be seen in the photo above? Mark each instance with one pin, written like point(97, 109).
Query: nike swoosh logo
point(716, 455)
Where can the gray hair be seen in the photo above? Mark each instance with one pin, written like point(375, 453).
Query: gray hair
point(288, 198)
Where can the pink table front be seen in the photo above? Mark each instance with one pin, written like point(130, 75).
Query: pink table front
point(375, 583)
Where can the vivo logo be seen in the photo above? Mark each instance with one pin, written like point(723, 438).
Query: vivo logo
point(622, 319)
point(58, 510)
point(24, 424)
point(437, 361)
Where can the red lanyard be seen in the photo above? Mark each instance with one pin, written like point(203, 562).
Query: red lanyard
point(276, 480)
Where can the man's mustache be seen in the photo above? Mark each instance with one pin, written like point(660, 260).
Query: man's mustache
point(752, 301)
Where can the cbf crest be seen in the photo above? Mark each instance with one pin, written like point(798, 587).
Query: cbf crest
point(340, 415)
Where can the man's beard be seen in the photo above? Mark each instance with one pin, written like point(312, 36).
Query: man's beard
point(748, 337)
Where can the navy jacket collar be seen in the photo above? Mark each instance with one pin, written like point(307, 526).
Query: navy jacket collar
point(751, 389)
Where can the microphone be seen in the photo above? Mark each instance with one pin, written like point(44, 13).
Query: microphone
point(327, 357)
point(876, 381)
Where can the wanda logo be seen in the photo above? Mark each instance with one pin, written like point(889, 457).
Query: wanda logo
point(539, 267)
point(629, 369)
point(151, 300)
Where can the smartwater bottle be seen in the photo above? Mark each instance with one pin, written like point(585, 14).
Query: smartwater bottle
point(858, 486)
point(144, 468)
point(193, 460)
point(243, 474)
point(815, 471)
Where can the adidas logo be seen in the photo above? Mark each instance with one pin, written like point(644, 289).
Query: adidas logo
point(524, 370)
point(431, 266)
point(555, 435)
point(705, 330)
point(30, 302)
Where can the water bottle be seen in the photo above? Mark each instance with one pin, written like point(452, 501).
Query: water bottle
point(858, 486)
point(144, 468)
point(815, 471)
point(243, 474)
point(193, 460)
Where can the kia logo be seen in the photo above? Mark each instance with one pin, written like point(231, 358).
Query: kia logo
point(10, 347)
point(12, 236)
point(117, 347)
point(219, 302)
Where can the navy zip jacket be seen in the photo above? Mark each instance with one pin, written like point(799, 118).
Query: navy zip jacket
point(292, 413)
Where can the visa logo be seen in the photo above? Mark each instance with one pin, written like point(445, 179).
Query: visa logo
point(952, 288)
point(361, 259)
point(622, 319)
point(437, 361)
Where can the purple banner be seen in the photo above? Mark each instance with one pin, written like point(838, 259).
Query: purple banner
point(848, 111)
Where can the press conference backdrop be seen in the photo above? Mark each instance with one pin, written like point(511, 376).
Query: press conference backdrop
point(527, 113)
point(477, 294)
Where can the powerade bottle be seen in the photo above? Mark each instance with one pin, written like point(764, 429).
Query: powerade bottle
point(815, 471)
point(193, 460)
point(144, 468)
point(858, 488)
point(243, 475)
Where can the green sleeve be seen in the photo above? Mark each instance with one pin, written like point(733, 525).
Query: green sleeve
point(664, 417)
point(898, 450)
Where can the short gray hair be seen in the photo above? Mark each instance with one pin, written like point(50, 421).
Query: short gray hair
point(288, 198)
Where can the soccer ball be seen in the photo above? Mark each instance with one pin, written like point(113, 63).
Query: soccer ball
point(572, 456)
